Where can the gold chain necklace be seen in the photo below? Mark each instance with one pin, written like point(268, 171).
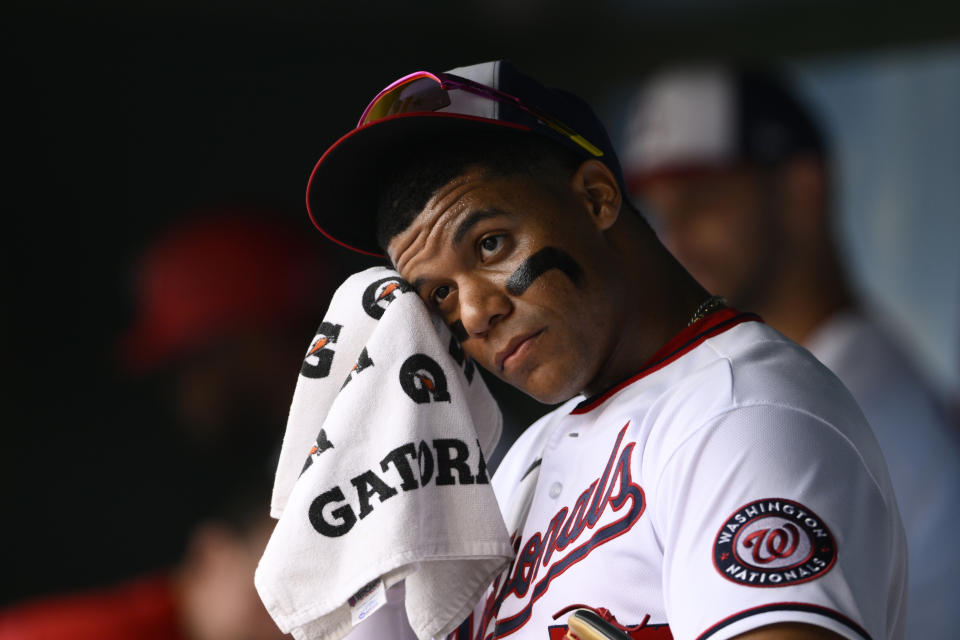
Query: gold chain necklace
point(707, 307)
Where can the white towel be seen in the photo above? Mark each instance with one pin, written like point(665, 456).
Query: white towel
point(382, 475)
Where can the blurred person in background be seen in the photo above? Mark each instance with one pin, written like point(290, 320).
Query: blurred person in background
point(208, 595)
point(226, 302)
point(735, 175)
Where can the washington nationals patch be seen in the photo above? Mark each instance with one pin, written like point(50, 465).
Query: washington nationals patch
point(773, 543)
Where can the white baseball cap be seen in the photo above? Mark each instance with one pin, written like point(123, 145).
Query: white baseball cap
point(696, 118)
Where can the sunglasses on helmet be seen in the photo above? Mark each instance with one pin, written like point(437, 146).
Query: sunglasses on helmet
point(423, 91)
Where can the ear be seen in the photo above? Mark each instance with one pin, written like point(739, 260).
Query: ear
point(597, 188)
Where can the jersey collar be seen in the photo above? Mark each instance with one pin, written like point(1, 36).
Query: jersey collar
point(685, 341)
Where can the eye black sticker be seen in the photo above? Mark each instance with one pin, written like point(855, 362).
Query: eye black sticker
point(462, 359)
point(459, 331)
point(539, 263)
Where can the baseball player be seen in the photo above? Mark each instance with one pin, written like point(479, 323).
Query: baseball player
point(704, 476)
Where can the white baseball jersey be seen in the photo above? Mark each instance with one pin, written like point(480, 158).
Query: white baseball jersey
point(731, 484)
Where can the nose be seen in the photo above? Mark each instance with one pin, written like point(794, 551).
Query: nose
point(483, 303)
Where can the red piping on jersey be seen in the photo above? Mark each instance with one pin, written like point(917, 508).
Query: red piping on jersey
point(684, 342)
point(786, 606)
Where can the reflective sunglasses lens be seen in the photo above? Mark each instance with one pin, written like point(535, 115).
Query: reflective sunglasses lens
point(420, 94)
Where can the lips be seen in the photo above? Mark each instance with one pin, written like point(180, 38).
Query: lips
point(516, 346)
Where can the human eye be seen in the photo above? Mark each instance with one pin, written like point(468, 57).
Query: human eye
point(490, 245)
point(438, 295)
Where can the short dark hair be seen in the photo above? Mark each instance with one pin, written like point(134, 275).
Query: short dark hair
point(431, 165)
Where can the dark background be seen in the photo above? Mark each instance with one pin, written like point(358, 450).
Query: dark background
point(123, 117)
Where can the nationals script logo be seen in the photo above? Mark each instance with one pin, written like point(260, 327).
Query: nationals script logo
point(571, 535)
point(773, 543)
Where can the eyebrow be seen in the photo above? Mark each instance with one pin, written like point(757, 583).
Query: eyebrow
point(416, 284)
point(462, 230)
point(471, 221)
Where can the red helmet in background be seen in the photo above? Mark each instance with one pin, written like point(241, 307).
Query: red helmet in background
point(209, 276)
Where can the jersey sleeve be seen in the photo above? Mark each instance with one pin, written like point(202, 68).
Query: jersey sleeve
point(768, 514)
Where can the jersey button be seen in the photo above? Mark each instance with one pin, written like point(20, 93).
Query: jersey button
point(555, 489)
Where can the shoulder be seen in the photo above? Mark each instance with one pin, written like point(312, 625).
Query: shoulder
point(755, 388)
point(766, 368)
point(765, 413)
point(748, 365)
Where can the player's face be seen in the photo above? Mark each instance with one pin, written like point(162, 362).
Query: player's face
point(720, 226)
point(516, 267)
